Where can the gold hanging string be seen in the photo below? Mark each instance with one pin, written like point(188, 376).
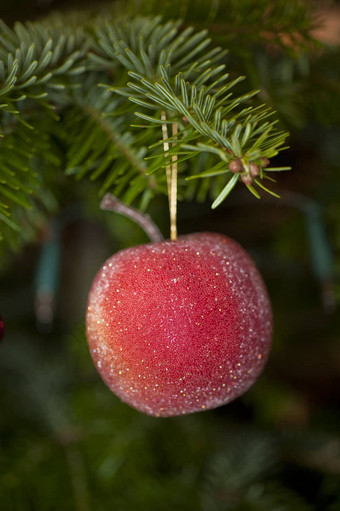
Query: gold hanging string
point(171, 176)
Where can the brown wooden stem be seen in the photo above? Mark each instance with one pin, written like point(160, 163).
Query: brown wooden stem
point(111, 203)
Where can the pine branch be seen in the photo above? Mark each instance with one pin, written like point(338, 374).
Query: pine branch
point(242, 25)
point(38, 68)
point(36, 60)
point(101, 145)
point(156, 66)
point(226, 128)
point(241, 477)
point(28, 164)
point(143, 44)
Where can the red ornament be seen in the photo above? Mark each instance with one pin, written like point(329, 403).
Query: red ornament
point(177, 327)
point(2, 328)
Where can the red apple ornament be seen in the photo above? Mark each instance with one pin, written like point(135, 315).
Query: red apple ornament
point(177, 327)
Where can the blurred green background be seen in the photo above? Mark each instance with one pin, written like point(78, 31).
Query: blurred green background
point(67, 443)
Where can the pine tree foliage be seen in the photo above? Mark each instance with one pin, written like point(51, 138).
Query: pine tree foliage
point(70, 89)
point(243, 477)
point(63, 429)
point(176, 74)
point(103, 146)
point(38, 67)
point(241, 24)
point(37, 59)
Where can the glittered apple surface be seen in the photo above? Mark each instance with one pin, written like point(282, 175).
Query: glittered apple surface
point(177, 327)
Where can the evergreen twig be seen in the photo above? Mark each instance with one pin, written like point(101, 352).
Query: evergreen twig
point(56, 119)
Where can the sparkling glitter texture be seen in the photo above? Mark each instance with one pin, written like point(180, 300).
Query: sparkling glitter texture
point(180, 326)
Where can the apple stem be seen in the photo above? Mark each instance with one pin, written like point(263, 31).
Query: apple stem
point(111, 203)
point(171, 175)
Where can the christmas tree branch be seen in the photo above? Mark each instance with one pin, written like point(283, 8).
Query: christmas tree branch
point(125, 149)
point(172, 69)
